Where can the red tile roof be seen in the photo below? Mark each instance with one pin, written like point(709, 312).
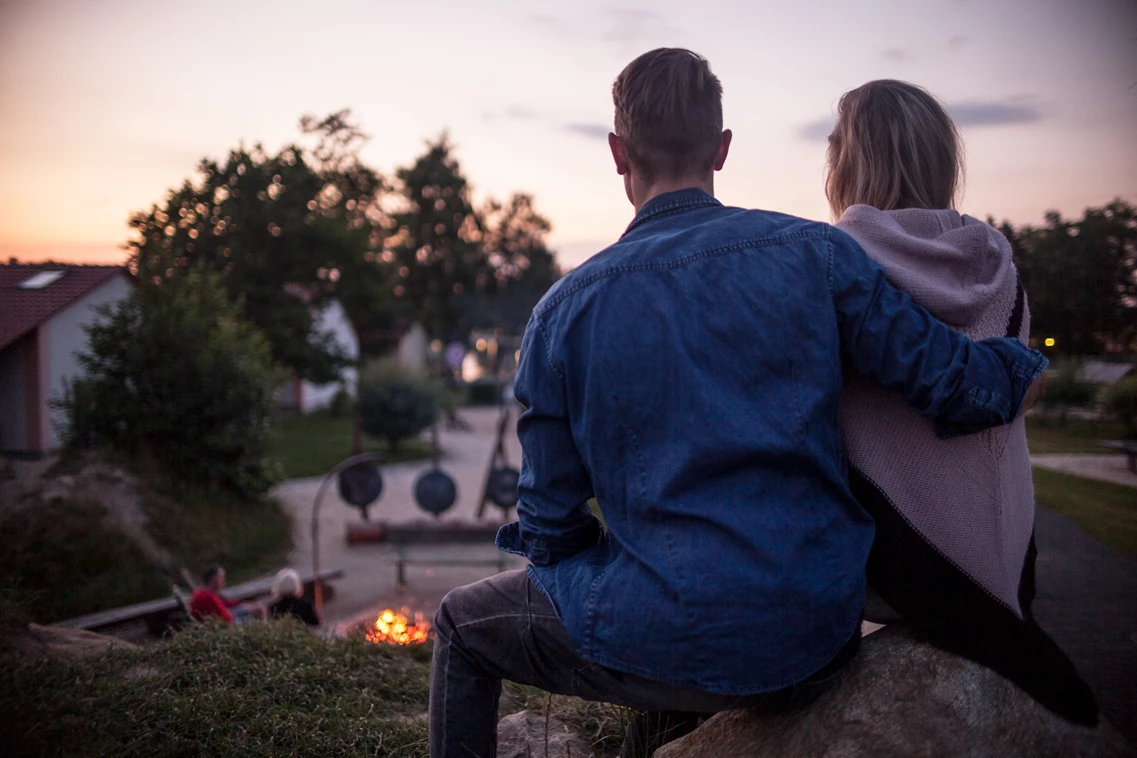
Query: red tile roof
point(22, 310)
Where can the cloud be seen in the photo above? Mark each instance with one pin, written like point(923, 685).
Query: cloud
point(633, 25)
point(592, 131)
point(894, 54)
point(974, 113)
point(1015, 111)
point(817, 130)
point(510, 113)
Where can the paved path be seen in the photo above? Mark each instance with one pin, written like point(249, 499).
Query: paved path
point(1106, 468)
point(369, 582)
point(1087, 601)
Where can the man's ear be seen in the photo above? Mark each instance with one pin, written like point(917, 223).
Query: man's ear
point(724, 148)
point(619, 153)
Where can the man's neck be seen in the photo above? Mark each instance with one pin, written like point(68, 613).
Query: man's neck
point(641, 194)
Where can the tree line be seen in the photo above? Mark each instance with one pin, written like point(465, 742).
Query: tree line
point(1080, 276)
point(288, 231)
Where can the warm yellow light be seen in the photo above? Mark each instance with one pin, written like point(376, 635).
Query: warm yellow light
point(480, 345)
point(1050, 342)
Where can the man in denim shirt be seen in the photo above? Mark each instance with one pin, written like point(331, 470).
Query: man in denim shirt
point(688, 378)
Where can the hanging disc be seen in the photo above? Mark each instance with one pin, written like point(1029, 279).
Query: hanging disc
point(502, 487)
point(435, 492)
point(360, 485)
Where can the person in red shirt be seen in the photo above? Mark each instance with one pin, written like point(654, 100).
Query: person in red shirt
point(207, 601)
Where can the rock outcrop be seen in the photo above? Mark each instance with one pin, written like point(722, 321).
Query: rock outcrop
point(903, 697)
point(529, 735)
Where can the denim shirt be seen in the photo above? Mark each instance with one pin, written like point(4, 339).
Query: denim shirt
point(688, 378)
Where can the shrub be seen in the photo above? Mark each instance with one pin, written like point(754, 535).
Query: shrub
point(174, 376)
point(394, 403)
point(1121, 401)
point(1063, 387)
point(342, 403)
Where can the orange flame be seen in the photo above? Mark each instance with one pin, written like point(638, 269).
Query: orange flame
point(396, 628)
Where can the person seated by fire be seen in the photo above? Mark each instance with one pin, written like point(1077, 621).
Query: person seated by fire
point(208, 603)
point(288, 599)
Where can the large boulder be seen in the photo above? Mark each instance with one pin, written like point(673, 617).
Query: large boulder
point(903, 697)
point(530, 735)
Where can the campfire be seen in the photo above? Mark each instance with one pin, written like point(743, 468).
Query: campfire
point(399, 628)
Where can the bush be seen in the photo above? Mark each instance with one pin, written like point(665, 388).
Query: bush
point(486, 392)
point(1121, 401)
point(1063, 387)
point(342, 403)
point(394, 403)
point(174, 376)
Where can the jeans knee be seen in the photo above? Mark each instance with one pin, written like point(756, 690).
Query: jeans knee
point(444, 621)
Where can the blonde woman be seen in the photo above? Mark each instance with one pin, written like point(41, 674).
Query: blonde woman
point(954, 549)
point(287, 590)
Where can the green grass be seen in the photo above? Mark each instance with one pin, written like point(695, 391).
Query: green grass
point(248, 537)
point(1107, 511)
point(61, 559)
point(311, 445)
point(262, 689)
point(65, 557)
point(1049, 434)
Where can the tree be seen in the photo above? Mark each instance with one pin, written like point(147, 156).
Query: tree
point(1081, 278)
point(286, 231)
point(523, 267)
point(458, 267)
point(173, 374)
point(394, 403)
point(436, 251)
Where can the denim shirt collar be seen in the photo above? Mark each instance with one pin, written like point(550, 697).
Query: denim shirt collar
point(672, 202)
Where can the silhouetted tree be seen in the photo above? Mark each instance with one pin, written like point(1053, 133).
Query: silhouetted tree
point(286, 231)
point(1081, 278)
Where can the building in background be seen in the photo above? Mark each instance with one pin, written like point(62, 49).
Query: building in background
point(43, 311)
point(301, 395)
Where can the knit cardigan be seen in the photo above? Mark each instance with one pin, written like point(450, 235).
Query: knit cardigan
point(971, 497)
point(954, 550)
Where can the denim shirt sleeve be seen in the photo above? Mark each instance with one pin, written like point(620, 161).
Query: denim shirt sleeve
point(964, 386)
point(554, 520)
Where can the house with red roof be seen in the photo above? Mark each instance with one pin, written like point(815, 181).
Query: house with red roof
point(44, 308)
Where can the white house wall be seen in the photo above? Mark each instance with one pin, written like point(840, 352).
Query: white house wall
point(13, 396)
point(67, 338)
point(333, 318)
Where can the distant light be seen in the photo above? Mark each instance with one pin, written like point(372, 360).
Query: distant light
point(480, 345)
point(1049, 342)
point(41, 280)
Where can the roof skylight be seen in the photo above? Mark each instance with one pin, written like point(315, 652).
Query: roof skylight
point(40, 280)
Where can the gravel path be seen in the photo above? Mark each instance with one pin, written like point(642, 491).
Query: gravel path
point(369, 581)
point(1105, 468)
point(1087, 601)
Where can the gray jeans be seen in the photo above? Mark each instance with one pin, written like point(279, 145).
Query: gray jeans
point(504, 628)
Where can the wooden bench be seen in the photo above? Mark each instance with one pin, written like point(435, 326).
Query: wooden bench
point(1127, 447)
point(402, 560)
point(157, 614)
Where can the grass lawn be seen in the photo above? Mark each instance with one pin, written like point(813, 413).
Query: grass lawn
point(1107, 511)
point(1047, 435)
point(311, 445)
point(263, 689)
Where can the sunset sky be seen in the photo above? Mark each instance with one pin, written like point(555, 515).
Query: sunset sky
point(105, 105)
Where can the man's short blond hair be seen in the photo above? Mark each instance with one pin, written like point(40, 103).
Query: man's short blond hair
point(669, 113)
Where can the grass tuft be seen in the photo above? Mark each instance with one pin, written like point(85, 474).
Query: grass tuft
point(1107, 511)
point(312, 444)
point(261, 689)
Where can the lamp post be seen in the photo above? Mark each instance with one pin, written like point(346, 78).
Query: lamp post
point(340, 467)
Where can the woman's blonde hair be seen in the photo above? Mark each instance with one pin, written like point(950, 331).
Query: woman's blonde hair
point(894, 146)
point(287, 584)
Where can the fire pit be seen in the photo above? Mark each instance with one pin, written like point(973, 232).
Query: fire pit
point(400, 627)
